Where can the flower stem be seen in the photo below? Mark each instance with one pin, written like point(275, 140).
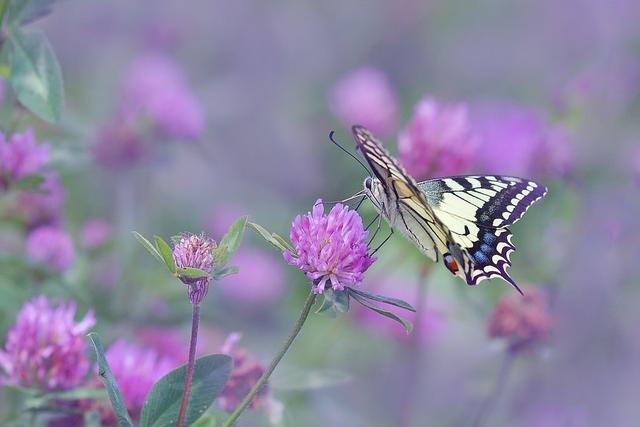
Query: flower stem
point(272, 366)
point(4, 4)
point(493, 396)
point(195, 320)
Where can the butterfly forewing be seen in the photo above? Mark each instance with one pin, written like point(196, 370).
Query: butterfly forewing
point(463, 218)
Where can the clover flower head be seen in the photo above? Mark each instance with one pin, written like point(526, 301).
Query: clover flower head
point(330, 249)
point(195, 251)
point(46, 348)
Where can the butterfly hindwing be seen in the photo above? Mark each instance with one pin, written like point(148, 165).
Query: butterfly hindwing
point(477, 210)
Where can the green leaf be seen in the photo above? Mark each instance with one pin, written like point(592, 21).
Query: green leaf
point(405, 323)
point(29, 183)
point(148, 246)
point(206, 421)
point(227, 271)
point(334, 302)
point(35, 74)
point(166, 253)
point(272, 238)
point(104, 372)
point(192, 273)
point(229, 243)
point(380, 298)
point(163, 402)
point(22, 12)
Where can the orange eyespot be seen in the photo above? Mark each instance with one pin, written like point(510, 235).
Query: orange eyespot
point(451, 263)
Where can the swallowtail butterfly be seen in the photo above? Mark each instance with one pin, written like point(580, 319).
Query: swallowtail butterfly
point(461, 220)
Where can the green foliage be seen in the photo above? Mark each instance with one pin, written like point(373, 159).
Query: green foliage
point(34, 73)
point(273, 238)
point(104, 372)
point(167, 256)
point(408, 326)
point(163, 402)
point(23, 12)
point(229, 243)
point(381, 298)
point(334, 302)
point(148, 246)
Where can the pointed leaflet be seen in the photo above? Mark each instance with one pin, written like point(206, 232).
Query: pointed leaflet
point(381, 298)
point(148, 246)
point(229, 243)
point(272, 238)
point(110, 384)
point(166, 253)
point(34, 73)
point(407, 324)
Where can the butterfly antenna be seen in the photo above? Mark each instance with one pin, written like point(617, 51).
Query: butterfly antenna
point(348, 152)
point(355, 196)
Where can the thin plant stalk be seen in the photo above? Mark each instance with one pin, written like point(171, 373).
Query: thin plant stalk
point(494, 395)
point(272, 366)
point(416, 352)
point(184, 403)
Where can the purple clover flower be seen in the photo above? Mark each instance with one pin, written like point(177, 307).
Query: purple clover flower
point(51, 246)
point(245, 374)
point(438, 140)
point(521, 320)
point(42, 208)
point(196, 252)
point(366, 97)
point(46, 348)
point(331, 249)
point(95, 233)
point(136, 370)
point(156, 88)
point(21, 156)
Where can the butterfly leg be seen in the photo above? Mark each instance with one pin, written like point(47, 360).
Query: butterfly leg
point(383, 242)
point(375, 233)
point(360, 203)
point(372, 221)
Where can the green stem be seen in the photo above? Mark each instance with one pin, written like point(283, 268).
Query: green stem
point(272, 366)
point(195, 320)
point(4, 5)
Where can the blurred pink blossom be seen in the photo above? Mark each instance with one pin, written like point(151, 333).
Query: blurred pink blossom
point(136, 369)
point(365, 97)
point(260, 282)
point(518, 141)
point(244, 375)
point(156, 88)
point(95, 233)
point(46, 348)
point(51, 246)
point(521, 320)
point(42, 208)
point(21, 156)
point(119, 146)
point(166, 341)
point(438, 140)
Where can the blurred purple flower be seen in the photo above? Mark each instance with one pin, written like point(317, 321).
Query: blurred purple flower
point(95, 233)
point(46, 348)
point(221, 218)
point(521, 320)
point(429, 322)
point(331, 249)
point(155, 88)
point(518, 141)
point(166, 341)
point(245, 374)
point(51, 246)
point(438, 140)
point(21, 156)
point(195, 251)
point(136, 370)
point(365, 97)
point(42, 208)
point(119, 146)
point(260, 281)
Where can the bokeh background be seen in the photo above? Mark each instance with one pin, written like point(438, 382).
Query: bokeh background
point(232, 103)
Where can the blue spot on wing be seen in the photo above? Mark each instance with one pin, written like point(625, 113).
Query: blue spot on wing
point(480, 257)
